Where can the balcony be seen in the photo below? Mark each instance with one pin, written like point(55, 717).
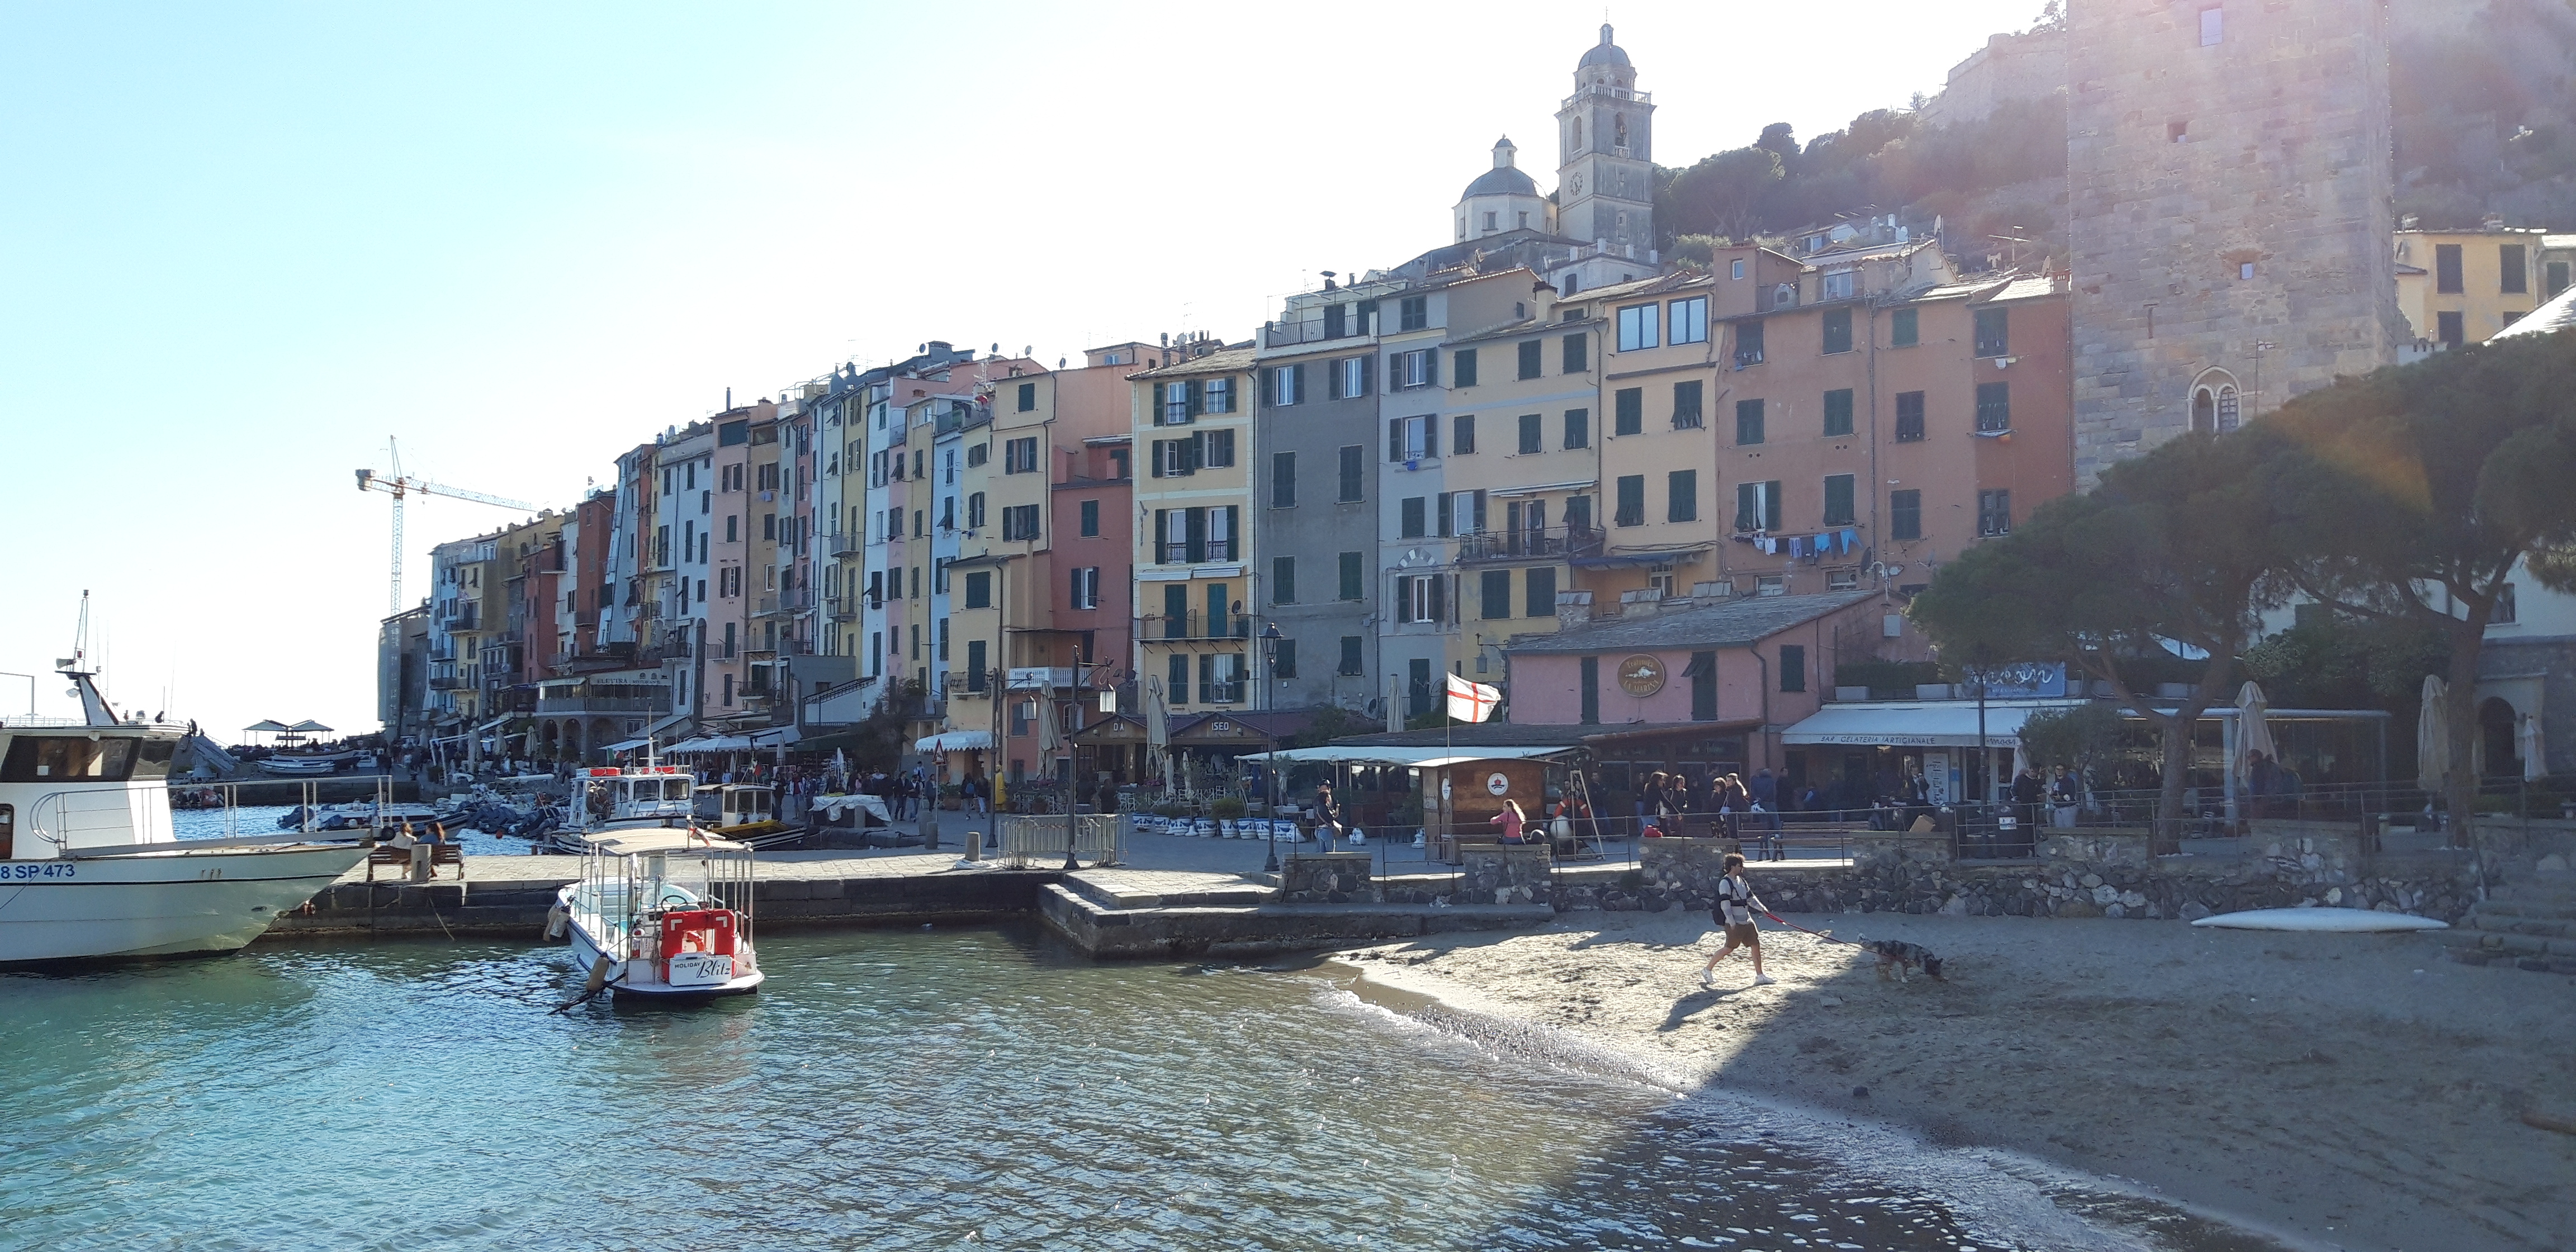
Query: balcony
point(601, 704)
point(847, 543)
point(799, 600)
point(1548, 544)
point(1221, 692)
point(843, 608)
point(449, 682)
point(1040, 677)
point(973, 684)
point(1289, 334)
point(462, 619)
point(1200, 626)
point(1205, 552)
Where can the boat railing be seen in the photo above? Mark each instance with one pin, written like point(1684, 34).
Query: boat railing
point(63, 818)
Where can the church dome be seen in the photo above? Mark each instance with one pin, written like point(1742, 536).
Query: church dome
point(1604, 53)
point(1505, 179)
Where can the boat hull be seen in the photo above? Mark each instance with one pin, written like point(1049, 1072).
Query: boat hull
point(158, 903)
point(636, 984)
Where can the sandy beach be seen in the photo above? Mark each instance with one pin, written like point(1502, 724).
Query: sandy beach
point(2352, 1091)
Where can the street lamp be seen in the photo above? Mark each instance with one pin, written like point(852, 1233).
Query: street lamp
point(1270, 746)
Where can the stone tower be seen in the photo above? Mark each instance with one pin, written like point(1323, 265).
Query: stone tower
point(2230, 202)
point(1605, 187)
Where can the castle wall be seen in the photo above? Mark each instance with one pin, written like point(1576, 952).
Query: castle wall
point(2188, 161)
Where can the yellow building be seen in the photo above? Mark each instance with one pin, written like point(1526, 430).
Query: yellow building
point(2459, 287)
point(1192, 426)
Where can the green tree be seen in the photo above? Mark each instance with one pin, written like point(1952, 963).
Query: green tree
point(2075, 737)
point(2172, 549)
point(1722, 194)
point(2410, 495)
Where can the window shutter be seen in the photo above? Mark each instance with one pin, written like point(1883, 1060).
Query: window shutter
point(1444, 505)
point(1269, 393)
point(1477, 512)
point(1162, 532)
point(1157, 417)
point(1439, 600)
point(1234, 529)
point(1368, 375)
point(1297, 382)
point(1771, 505)
point(1430, 367)
point(1430, 438)
point(1395, 439)
point(1197, 397)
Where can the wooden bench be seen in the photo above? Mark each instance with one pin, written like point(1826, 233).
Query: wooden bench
point(439, 854)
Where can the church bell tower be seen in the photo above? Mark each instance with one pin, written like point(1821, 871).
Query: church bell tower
point(1605, 138)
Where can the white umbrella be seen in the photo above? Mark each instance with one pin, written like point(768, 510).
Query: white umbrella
point(1394, 709)
point(2253, 733)
point(2433, 736)
point(2535, 765)
point(1158, 729)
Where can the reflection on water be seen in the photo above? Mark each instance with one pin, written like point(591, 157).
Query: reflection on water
point(262, 819)
point(889, 1090)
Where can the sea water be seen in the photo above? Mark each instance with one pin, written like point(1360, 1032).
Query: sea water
point(941, 1088)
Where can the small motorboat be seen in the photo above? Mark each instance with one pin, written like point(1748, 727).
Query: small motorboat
point(608, 801)
point(306, 764)
point(662, 915)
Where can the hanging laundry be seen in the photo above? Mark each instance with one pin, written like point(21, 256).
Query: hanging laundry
point(1851, 539)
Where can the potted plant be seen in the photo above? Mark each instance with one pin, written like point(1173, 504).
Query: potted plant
point(1227, 810)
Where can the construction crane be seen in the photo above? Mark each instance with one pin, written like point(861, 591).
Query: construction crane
point(397, 485)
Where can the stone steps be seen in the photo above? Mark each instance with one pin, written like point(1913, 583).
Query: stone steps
point(2525, 925)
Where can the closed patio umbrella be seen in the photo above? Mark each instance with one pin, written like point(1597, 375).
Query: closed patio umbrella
point(1158, 729)
point(2535, 765)
point(2253, 732)
point(2433, 736)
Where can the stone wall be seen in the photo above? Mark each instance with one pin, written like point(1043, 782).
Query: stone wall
point(1492, 874)
point(1326, 878)
point(2187, 161)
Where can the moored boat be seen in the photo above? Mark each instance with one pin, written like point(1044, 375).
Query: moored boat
point(609, 801)
point(90, 865)
point(663, 915)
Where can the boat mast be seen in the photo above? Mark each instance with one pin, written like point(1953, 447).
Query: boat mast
point(94, 707)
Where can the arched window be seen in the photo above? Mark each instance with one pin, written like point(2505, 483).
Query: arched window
point(2204, 411)
point(1619, 132)
point(1577, 140)
point(2215, 405)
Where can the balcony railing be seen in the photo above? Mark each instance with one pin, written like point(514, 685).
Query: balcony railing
point(969, 682)
point(462, 619)
point(601, 704)
point(1181, 552)
point(847, 543)
point(796, 600)
point(1200, 626)
point(1553, 542)
point(1285, 334)
point(1222, 692)
point(843, 608)
point(449, 682)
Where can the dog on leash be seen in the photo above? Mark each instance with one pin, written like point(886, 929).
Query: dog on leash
point(1904, 958)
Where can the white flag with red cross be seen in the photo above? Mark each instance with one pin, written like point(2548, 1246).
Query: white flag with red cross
point(1472, 702)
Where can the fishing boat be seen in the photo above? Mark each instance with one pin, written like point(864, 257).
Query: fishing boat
point(91, 867)
point(609, 800)
point(306, 764)
point(662, 915)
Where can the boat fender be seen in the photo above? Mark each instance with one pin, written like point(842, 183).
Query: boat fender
point(558, 919)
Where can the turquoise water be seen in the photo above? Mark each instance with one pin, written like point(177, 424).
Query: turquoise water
point(261, 819)
point(891, 1089)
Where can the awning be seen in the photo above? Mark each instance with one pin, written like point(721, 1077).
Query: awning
point(655, 730)
point(956, 741)
point(774, 737)
point(1373, 754)
point(494, 722)
point(716, 743)
point(1923, 724)
point(626, 745)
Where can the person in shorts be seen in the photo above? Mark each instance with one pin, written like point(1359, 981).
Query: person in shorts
point(1735, 907)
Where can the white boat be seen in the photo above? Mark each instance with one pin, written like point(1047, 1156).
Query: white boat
point(91, 867)
point(306, 765)
point(609, 801)
point(663, 915)
point(2341, 921)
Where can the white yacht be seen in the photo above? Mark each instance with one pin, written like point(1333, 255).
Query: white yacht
point(662, 915)
point(608, 801)
point(91, 867)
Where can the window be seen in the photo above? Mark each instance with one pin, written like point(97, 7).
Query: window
point(1994, 406)
point(1627, 411)
point(1091, 519)
point(1578, 353)
point(769, 526)
point(1179, 686)
point(1354, 471)
point(1757, 506)
point(1632, 501)
point(1838, 411)
point(1351, 377)
point(1578, 428)
point(1909, 417)
point(1020, 521)
point(1637, 327)
point(2505, 609)
point(975, 511)
point(1028, 397)
point(1283, 659)
point(1681, 496)
point(1838, 331)
point(1462, 434)
point(979, 589)
point(1217, 396)
point(1086, 587)
point(1793, 667)
point(2554, 277)
point(1172, 403)
point(1494, 594)
point(1352, 577)
point(1748, 422)
point(1351, 645)
point(1283, 480)
point(1905, 514)
point(1219, 446)
point(1462, 512)
point(1839, 508)
point(1993, 332)
point(1840, 285)
point(1283, 580)
point(1286, 381)
point(1413, 312)
point(1541, 600)
point(1020, 456)
point(1336, 321)
point(1994, 512)
point(2447, 329)
point(1904, 328)
point(1688, 321)
point(2516, 271)
point(1462, 367)
point(1531, 434)
point(1748, 344)
point(1421, 598)
point(1686, 406)
point(1408, 370)
point(2446, 269)
point(979, 454)
point(1411, 439)
point(1413, 523)
point(1590, 681)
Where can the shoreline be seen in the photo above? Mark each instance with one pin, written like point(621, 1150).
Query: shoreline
point(2268, 1084)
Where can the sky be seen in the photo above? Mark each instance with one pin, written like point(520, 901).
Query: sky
point(242, 246)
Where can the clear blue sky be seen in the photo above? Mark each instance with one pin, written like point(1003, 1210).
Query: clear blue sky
point(243, 244)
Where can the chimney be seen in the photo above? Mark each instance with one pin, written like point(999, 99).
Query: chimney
point(1573, 608)
point(2494, 221)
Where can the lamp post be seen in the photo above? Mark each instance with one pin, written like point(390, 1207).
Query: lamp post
point(1270, 746)
point(1108, 704)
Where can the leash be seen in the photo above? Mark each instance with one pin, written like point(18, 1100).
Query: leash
point(1827, 937)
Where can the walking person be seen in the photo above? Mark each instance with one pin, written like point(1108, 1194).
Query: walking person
point(1766, 801)
point(1736, 904)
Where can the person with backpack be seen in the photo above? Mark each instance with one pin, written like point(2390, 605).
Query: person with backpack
point(1734, 910)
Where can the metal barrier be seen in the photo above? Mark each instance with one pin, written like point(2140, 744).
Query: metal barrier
point(1031, 842)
